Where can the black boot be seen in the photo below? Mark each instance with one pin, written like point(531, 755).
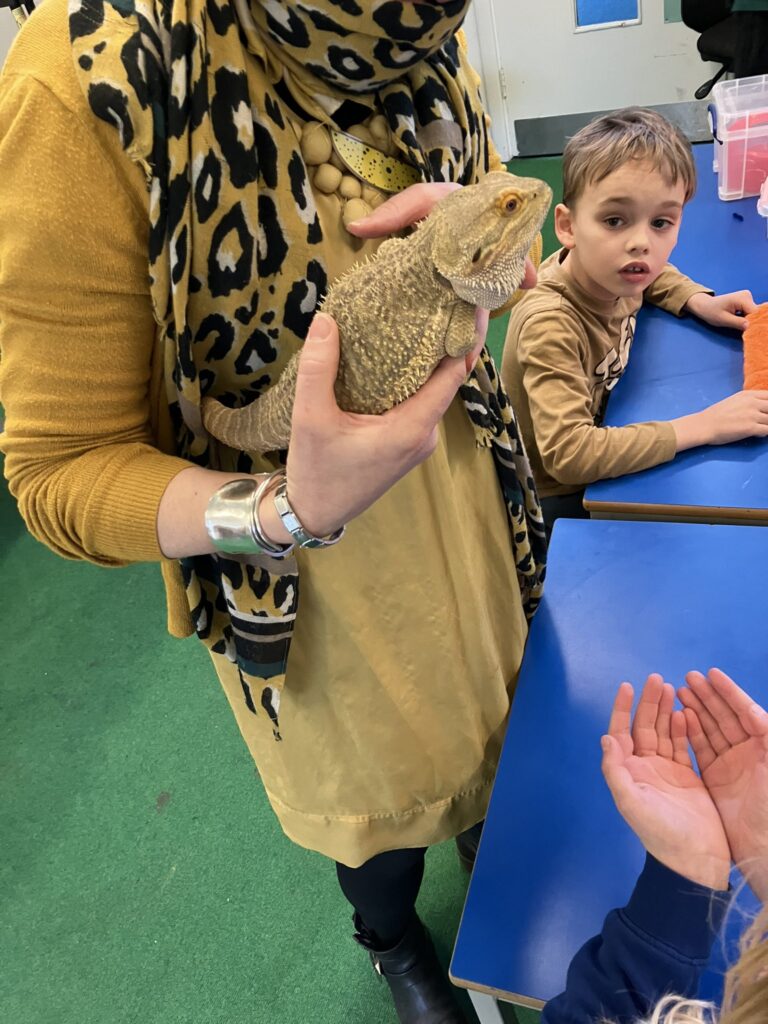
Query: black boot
point(420, 989)
point(467, 844)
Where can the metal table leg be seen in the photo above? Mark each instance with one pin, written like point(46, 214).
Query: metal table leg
point(486, 1007)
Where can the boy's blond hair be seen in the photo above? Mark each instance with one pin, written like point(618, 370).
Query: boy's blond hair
point(634, 133)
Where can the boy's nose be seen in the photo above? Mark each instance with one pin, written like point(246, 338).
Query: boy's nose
point(638, 242)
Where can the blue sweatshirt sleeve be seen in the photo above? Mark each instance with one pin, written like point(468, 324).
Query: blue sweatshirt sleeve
point(658, 944)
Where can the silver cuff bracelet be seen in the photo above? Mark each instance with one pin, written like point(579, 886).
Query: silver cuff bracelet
point(232, 518)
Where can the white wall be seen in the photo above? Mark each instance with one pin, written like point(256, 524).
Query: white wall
point(8, 30)
point(483, 43)
point(551, 69)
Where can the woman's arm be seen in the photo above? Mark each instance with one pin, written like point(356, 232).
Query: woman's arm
point(339, 463)
point(77, 337)
point(76, 333)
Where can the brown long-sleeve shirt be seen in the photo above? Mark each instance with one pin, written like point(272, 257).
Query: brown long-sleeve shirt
point(565, 351)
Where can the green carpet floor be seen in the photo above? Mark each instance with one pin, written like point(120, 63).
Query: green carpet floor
point(144, 878)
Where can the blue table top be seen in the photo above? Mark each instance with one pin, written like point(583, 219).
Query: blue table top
point(679, 366)
point(622, 599)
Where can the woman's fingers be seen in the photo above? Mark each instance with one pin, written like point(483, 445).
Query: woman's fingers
point(531, 275)
point(423, 411)
point(482, 318)
point(318, 368)
point(402, 210)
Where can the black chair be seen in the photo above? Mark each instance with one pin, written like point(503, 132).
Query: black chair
point(738, 42)
point(718, 39)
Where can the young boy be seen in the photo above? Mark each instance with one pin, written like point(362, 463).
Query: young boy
point(627, 177)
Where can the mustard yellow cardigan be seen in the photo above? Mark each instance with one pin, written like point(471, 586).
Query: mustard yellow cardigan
point(86, 422)
point(87, 433)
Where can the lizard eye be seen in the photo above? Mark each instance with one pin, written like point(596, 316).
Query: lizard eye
point(511, 205)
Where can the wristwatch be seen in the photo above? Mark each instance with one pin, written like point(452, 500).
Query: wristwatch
point(293, 525)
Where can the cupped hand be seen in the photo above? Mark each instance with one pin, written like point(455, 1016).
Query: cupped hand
point(339, 462)
point(648, 770)
point(730, 310)
point(729, 735)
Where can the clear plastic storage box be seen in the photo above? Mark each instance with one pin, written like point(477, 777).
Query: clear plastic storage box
point(739, 116)
point(762, 200)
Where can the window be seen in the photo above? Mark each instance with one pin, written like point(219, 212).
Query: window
point(602, 13)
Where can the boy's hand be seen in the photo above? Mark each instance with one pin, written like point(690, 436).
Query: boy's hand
point(729, 310)
point(744, 414)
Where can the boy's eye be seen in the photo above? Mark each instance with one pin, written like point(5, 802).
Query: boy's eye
point(613, 222)
point(661, 222)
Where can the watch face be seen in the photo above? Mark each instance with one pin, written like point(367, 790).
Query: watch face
point(293, 526)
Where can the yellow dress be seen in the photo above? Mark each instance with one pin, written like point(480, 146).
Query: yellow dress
point(409, 633)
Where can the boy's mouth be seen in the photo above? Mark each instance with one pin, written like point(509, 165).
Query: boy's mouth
point(634, 271)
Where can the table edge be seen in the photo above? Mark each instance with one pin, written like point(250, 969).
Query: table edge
point(499, 993)
point(710, 514)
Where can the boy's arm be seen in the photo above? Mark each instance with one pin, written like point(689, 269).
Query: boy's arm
point(552, 351)
point(671, 290)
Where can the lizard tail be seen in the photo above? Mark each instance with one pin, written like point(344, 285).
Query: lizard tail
point(262, 426)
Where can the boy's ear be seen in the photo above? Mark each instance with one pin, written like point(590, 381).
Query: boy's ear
point(564, 226)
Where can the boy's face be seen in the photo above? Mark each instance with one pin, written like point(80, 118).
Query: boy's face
point(621, 231)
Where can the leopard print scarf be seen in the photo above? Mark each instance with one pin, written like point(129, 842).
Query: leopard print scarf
point(202, 93)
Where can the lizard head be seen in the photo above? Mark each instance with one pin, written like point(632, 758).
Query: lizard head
point(483, 233)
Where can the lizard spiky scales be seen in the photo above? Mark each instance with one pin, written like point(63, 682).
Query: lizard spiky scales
point(402, 311)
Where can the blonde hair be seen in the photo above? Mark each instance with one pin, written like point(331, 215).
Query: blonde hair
point(634, 133)
point(746, 988)
point(746, 983)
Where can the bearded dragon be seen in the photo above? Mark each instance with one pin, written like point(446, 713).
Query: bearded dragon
point(414, 302)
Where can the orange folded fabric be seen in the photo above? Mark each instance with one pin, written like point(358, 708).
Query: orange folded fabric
point(756, 350)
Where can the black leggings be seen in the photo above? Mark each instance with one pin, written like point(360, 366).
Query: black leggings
point(383, 891)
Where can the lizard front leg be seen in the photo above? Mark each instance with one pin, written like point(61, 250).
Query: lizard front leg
point(460, 333)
